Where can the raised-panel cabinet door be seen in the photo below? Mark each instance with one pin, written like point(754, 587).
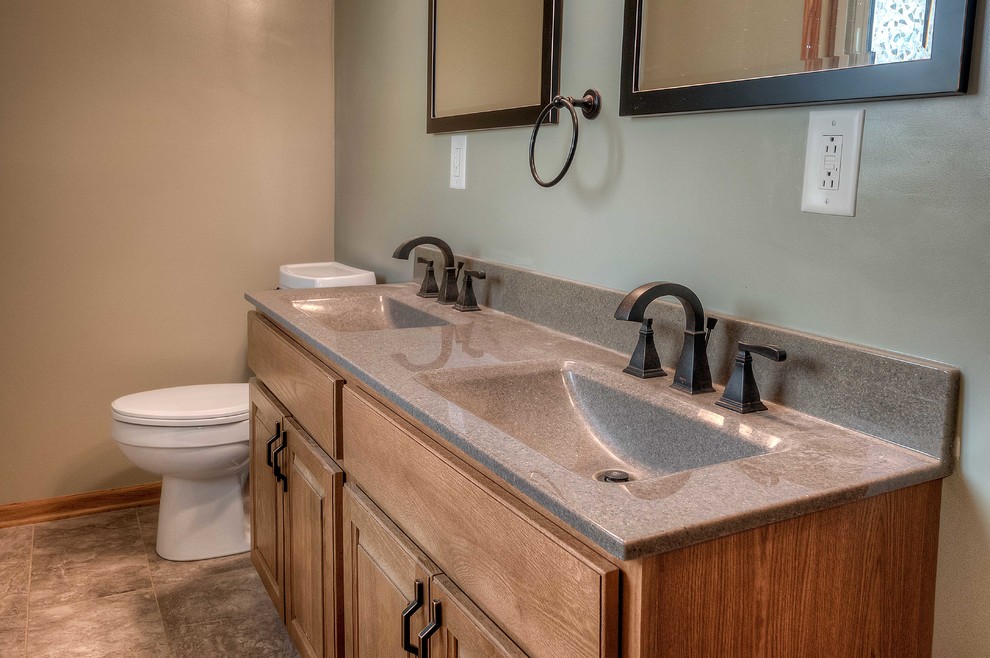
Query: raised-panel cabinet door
point(267, 539)
point(312, 545)
point(386, 583)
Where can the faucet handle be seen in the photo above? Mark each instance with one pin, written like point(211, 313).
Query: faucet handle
point(710, 323)
point(741, 394)
point(466, 300)
point(771, 352)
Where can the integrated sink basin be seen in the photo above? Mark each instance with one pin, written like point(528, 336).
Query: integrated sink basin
point(596, 423)
point(366, 313)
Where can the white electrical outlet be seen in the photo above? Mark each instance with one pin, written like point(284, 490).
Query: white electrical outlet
point(830, 160)
point(831, 166)
point(458, 162)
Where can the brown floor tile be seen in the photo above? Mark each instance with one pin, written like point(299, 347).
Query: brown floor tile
point(165, 572)
point(97, 588)
point(15, 543)
point(15, 566)
point(119, 625)
point(87, 558)
point(12, 634)
point(14, 579)
point(232, 595)
point(262, 637)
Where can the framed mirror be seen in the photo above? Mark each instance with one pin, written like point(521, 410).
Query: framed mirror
point(491, 64)
point(709, 55)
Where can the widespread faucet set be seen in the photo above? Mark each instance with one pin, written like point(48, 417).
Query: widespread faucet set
point(446, 293)
point(693, 374)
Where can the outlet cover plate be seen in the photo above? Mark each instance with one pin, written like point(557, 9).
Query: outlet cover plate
point(831, 166)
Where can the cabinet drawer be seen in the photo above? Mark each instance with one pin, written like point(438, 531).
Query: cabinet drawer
point(550, 595)
point(308, 388)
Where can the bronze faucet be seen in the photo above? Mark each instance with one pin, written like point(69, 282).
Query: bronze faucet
point(693, 374)
point(447, 294)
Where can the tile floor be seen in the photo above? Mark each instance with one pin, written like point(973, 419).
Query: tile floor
point(94, 586)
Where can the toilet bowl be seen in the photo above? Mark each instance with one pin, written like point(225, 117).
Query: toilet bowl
point(196, 438)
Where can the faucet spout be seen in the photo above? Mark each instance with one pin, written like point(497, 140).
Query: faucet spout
point(448, 282)
point(693, 374)
point(403, 250)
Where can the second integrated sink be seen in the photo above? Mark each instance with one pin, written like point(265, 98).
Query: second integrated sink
point(366, 313)
point(578, 415)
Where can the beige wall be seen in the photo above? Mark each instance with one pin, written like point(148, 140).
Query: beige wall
point(157, 159)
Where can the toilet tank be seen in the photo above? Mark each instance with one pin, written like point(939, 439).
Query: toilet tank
point(323, 275)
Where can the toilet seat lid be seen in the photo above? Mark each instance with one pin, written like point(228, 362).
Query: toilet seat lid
point(201, 404)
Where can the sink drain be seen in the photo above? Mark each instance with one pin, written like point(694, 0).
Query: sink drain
point(613, 475)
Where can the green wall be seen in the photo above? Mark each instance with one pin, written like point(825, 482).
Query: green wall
point(712, 201)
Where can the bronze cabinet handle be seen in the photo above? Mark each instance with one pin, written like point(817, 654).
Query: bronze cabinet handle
point(271, 441)
point(407, 614)
point(431, 628)
point(279, 475)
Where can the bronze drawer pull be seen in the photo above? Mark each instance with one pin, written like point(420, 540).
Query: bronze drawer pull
point(268, 446)
point(407, 614)
point(431, 628)
point(279, 475)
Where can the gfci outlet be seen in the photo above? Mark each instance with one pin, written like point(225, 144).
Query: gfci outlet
point(831, 165)
point(458, 162)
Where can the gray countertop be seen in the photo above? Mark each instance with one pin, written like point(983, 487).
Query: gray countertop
point(808, 464)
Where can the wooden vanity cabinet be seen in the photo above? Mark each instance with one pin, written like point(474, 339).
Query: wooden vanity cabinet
point(515, 582)
point(295, 525)
point(508, 580)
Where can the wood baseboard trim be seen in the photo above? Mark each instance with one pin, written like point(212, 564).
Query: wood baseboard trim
point(91, 502)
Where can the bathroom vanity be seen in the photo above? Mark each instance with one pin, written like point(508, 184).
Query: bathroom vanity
point(407, 501)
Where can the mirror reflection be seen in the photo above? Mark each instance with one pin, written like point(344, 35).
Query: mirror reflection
point(492, 64)
point(488, 55)
point(694, 42)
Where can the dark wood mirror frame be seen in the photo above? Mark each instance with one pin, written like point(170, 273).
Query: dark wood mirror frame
point(946, 73)
point(515, 116)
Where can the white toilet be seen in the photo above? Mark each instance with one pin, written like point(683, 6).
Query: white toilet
point(197, 438)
